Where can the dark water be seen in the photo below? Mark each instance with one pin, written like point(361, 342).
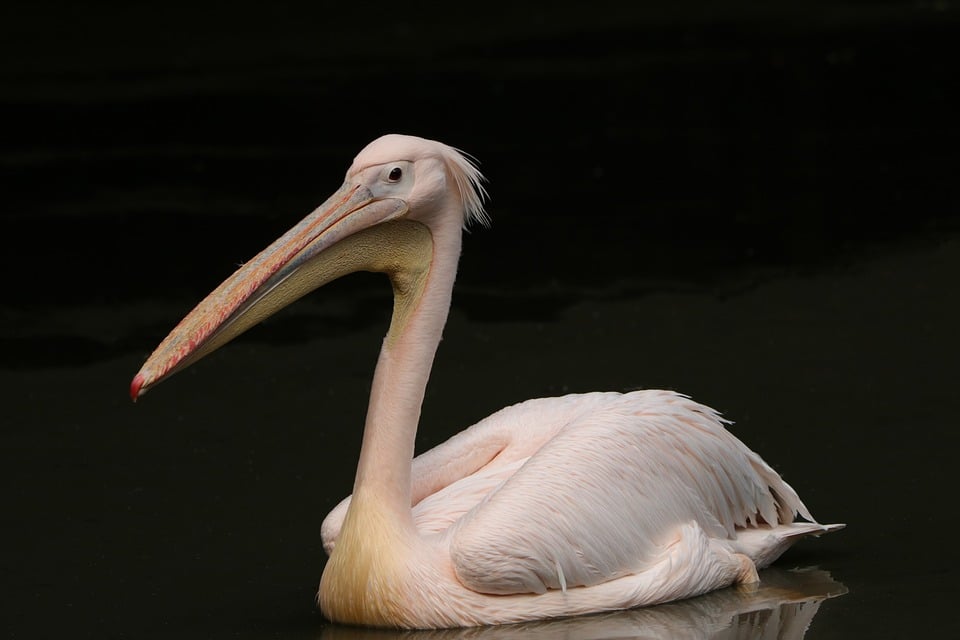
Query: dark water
point(757, 207)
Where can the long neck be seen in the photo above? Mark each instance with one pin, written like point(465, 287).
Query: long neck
point(422, 275)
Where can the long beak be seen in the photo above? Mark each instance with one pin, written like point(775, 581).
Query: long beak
point(269, 282)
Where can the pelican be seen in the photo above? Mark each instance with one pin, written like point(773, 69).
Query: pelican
point(551, 507)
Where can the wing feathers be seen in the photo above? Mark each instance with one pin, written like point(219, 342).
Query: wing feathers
point(608, 492)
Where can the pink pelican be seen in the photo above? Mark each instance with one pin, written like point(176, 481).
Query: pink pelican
point(551, 507)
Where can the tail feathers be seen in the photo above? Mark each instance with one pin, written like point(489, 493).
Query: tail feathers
point(764, 545)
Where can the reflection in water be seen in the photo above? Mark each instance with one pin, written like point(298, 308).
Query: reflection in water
point(782, 606)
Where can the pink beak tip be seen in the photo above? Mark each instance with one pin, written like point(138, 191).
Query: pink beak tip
point(135, 386)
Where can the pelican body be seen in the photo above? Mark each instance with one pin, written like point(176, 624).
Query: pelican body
point(551, 507)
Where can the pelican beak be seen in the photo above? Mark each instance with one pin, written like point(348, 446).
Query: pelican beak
point(302, 259)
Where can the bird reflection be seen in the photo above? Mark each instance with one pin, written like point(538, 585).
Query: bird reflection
point(781, 606)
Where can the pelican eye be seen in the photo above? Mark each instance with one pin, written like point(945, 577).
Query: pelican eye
point(395, 174)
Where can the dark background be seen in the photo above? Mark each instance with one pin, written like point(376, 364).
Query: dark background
point(753, 204)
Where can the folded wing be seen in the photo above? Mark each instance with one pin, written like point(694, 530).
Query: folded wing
point(608, 493)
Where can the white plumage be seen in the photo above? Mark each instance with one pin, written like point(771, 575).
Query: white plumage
point(555, 493)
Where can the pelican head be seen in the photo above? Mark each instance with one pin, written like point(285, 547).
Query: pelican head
point(398, 195)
